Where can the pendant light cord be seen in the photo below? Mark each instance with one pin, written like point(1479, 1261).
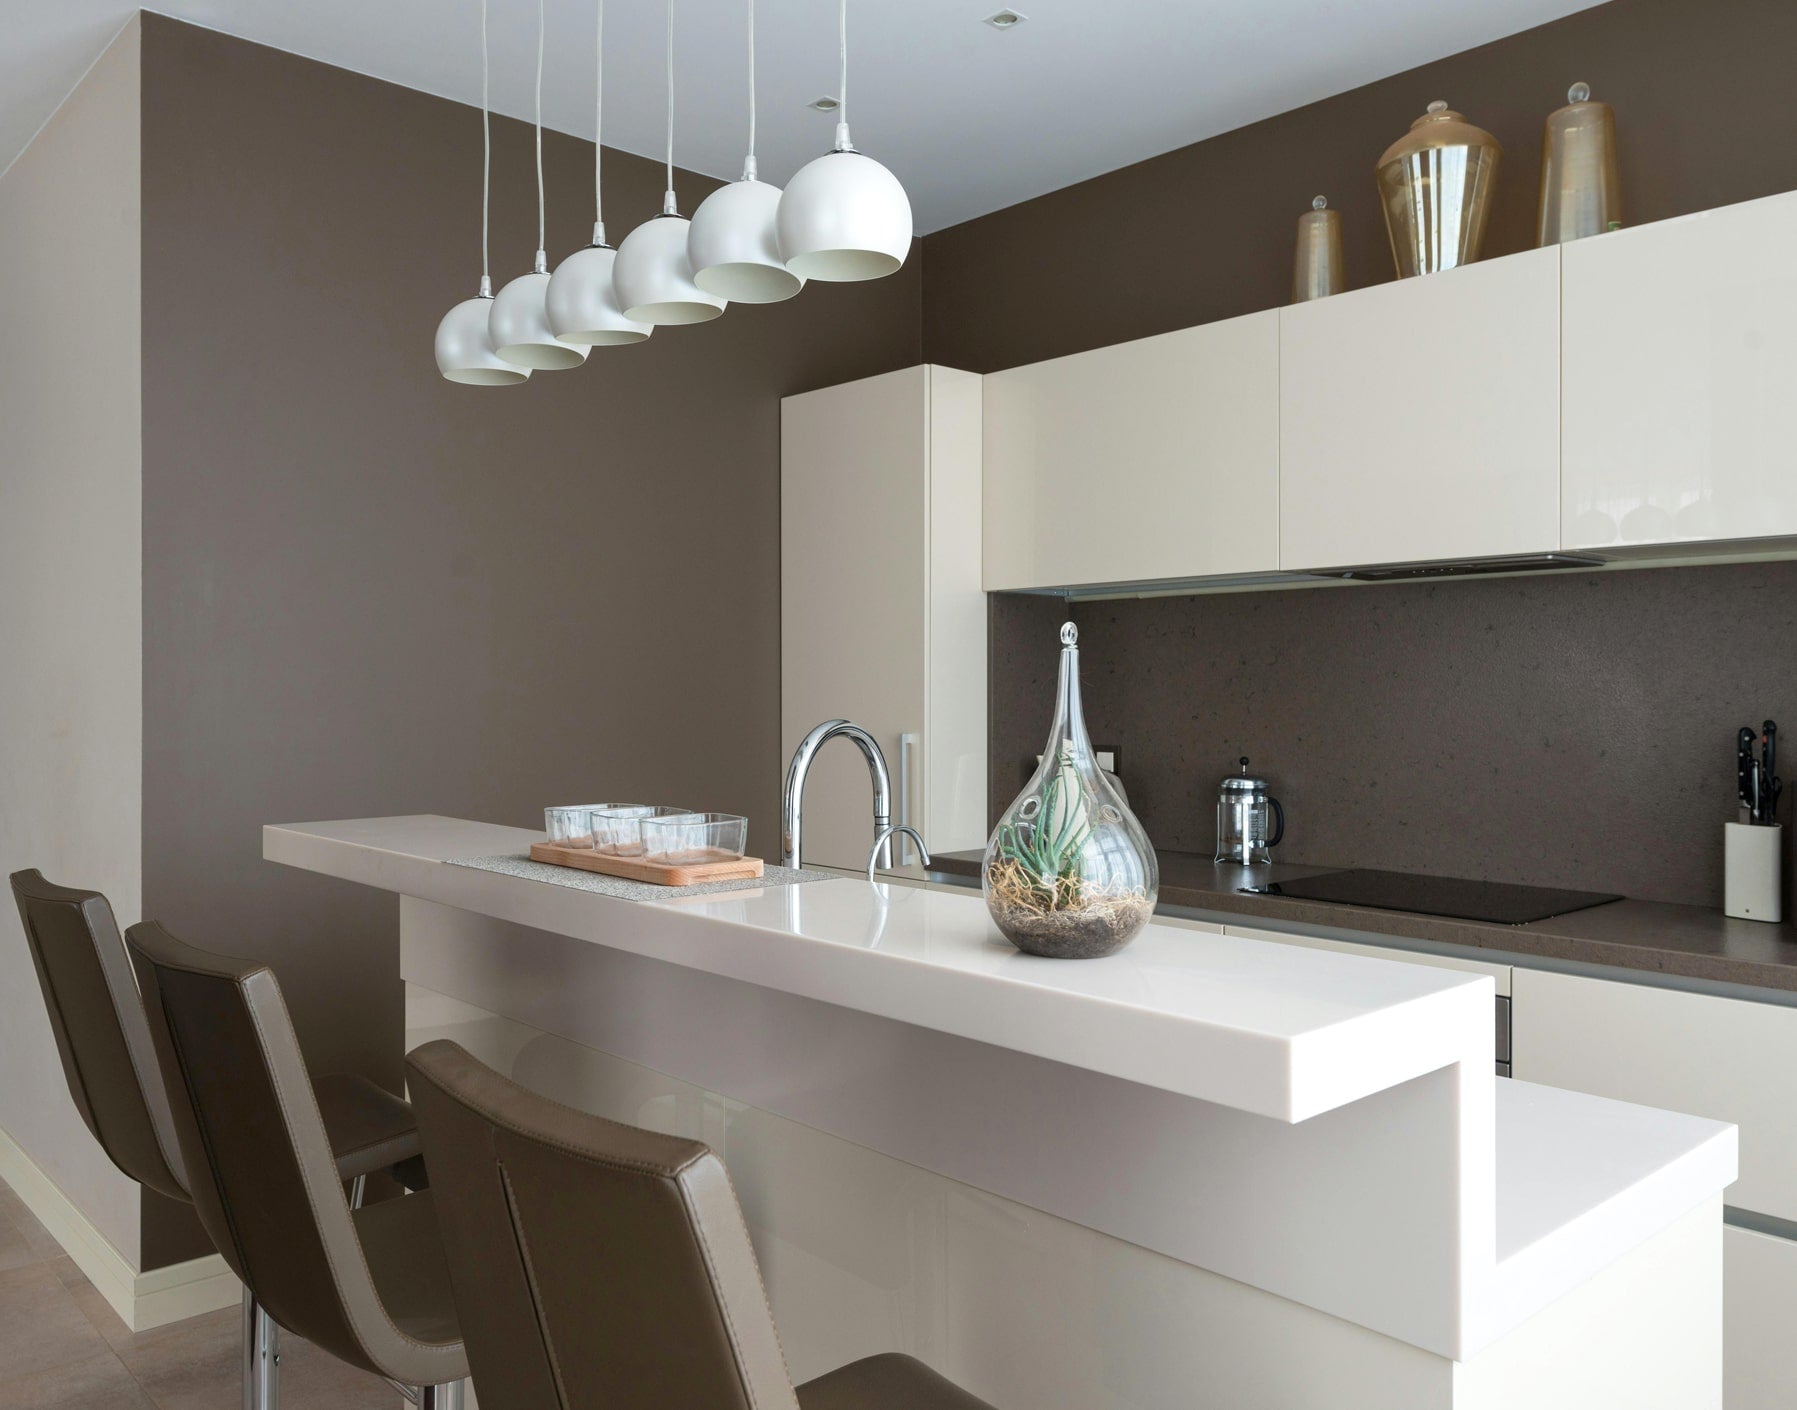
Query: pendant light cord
point(843, 144)
point(668, 206)
point(750, 172)
point(542, 266)
point(598, 123)
point(486, 165)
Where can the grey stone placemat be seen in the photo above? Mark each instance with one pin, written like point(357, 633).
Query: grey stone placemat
point(516, 864)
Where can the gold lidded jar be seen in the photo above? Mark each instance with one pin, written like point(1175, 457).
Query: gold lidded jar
point(1581, 188)
point(1317, 270)
point(1068, 872)
point(1436, 184)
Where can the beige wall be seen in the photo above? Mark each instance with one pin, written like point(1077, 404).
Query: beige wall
point(71, 598)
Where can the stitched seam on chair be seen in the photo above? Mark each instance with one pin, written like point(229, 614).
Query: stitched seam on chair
point(428, 1348)
point(137, 1070)
point(760, 1284)
point(530, 1281)
point(698, 1227)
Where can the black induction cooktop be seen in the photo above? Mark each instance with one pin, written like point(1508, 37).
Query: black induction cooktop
point(1497, 902)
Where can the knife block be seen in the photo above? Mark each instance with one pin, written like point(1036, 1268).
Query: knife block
point(1752, 885)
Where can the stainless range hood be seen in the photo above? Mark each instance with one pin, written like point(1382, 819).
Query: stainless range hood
point(1462, 567)
point(1325, 577)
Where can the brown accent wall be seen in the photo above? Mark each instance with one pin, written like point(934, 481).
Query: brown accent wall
point(368, 591)
point(1702, 96)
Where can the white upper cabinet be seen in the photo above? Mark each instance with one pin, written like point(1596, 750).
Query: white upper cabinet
point(1681, 356)
point(1421, 419)
point(882, 618)
point(1152, 459)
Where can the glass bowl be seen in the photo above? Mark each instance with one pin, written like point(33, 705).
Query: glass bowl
point(617, 829)
point(569, 826)
point(686, 839)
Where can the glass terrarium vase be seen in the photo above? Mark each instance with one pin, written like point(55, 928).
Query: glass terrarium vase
point(1069, 873)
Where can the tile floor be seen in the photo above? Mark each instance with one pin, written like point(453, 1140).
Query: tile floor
point(63, 1348)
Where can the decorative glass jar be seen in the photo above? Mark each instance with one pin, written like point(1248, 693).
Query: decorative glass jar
point(1069, 873)
point(1436, 183)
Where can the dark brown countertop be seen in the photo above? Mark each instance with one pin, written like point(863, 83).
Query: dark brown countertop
point(1691, 942)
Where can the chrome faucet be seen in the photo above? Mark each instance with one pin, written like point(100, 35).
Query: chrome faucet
point(792, 804)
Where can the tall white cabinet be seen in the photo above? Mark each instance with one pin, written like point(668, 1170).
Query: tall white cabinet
point(882, 611)
point(1680, 364)
point(1421, 419)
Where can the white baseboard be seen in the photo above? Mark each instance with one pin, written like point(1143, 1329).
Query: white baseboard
point(142, 1300)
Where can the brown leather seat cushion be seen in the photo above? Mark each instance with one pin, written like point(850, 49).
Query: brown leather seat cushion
point(890, 1382)
point(370, 1128)
point(404, 1250)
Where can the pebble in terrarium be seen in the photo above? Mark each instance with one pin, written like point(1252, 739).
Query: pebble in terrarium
point(1069, 873)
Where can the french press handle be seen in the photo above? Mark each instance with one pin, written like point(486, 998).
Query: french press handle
point(1278, 821)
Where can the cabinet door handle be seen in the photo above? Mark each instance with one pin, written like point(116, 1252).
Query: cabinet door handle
point(901, 848)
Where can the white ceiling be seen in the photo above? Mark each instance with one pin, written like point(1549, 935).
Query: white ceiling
point(970, 118)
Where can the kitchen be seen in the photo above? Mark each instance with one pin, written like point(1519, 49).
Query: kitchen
point(406, 603)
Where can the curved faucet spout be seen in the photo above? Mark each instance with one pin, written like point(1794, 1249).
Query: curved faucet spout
point(792, 803)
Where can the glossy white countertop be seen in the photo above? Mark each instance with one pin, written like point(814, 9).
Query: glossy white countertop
point(1550, 1187)
point(1279, 1031)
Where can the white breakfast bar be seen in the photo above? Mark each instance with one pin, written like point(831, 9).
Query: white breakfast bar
point(1207, 1171)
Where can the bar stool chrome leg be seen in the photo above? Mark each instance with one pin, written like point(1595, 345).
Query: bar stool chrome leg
point(262, 1339)
point(261, 1357)
point(444, 1397)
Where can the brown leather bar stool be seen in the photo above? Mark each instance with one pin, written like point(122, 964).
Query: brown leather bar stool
point(597, 1265)
point(368, 1285)
point(97, 1015)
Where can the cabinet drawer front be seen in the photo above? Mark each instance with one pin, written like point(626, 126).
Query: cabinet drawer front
point(1148, 460)
point(1680, 358)
point(1759, 1299)
point(1730, 1059)
point(1421, 419)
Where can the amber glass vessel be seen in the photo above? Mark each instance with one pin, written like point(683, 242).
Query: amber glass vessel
point(1581, 189)
point(1317, 271)
point(1436, 184)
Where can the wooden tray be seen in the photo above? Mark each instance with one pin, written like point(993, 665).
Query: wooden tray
point(636, 869)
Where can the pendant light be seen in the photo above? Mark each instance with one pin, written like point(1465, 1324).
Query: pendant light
point(844, 217)
point(520, 319)
point(733, 245)
point(652, 275)
point(464, 350)
point(582, 306)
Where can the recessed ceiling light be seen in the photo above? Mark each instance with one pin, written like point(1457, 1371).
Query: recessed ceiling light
point(1005, 19)
point(825, 104)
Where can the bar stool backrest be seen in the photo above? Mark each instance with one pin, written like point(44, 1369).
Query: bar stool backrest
point(97, 1015)
point(265, 1183)
point(594, 1264)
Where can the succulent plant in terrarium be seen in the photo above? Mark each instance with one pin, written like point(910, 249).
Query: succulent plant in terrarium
point(1069, 873)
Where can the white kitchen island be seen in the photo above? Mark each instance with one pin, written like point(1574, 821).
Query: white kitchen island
point(1207, 1171)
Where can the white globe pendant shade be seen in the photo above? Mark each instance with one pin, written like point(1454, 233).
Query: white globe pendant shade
point(654, 278)
point(583, 307)
point(464, 351)
point(520, 327)
point(844, 217)
point(734, 249)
